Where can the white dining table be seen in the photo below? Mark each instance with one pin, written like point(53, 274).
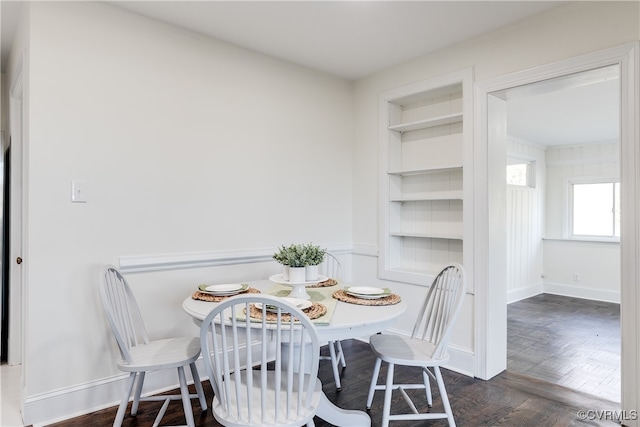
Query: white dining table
point(348, 321)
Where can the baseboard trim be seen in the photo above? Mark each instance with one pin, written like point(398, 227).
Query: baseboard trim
point(582, 292)
point(48, 408)
point(564, 290)
point(62, 404)
point(524, 293)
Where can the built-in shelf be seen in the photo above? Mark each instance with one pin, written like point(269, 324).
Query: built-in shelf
point(429, 170)
point(447, 236)
point(441, 195)
point(427, 123)
point(423, 181)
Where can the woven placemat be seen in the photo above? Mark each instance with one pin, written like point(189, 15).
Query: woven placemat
point(341, 295)
point(313, 312)
point(328, 282)
point(203, 296)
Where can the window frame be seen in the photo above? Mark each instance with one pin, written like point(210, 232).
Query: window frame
point(531, 172)
point(569, 210)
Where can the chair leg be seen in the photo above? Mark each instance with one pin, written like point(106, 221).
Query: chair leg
point(427, 386)
point(125, 400)
point(388, 391)
point(198, 385)
point(334, 365)
point(186, 399)
point(443, 395)
point(138, 392)
point(341, 354)
point(374, 382)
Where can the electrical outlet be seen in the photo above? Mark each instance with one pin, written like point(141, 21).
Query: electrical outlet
point(576, 277)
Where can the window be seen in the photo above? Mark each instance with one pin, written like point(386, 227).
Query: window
point(595, 209)
point(520, 173)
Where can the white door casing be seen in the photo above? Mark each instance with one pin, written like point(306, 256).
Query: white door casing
point(489, 249)
point(16, 288)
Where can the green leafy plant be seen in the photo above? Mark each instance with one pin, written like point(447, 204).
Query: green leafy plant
point(314, 254)
point(299, 255)
point(282, 255)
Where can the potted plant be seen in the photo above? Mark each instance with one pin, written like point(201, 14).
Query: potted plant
point(300, 261)
point(281, 256)
point(293, 259)
point(314, 255)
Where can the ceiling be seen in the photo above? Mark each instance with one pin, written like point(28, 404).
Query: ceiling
point(575, 109)
point(352, 39)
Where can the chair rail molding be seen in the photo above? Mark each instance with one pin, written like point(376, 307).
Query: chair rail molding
point(160, 262)
point(491, 329)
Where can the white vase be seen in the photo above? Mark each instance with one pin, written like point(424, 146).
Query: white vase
point(297, 274)
point(311, 272)
point(285, 272)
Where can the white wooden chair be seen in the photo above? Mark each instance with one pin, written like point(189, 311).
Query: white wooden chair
point(426, 348)
point(247, 390)
point(140, 355)
point(332, 268)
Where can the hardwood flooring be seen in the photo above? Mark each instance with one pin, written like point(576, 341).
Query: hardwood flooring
point(567, 341)
point(510, 399)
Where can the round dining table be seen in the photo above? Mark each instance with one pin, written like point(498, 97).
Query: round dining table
point(348, 321)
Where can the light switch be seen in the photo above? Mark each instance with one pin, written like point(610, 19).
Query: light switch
point(79, 191)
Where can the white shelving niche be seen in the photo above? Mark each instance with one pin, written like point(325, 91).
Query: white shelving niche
point(425, 188)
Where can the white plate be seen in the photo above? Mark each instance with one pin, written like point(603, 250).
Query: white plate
point(365, 292)
point(368, 296)
point(225, 289)
point(278, 278)
point(300, 303)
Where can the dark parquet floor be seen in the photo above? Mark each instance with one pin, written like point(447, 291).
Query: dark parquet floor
point(509, 399)
point(567, 341)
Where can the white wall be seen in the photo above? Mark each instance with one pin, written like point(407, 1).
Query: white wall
point(536, 265)
point(525, 224)
point(568, 31)
point(187, 145)
point(160, 123)
point(597, 264)
point(591, 160)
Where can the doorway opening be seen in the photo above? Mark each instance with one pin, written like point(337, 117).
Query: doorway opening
point(562, 143)
point(564, 327)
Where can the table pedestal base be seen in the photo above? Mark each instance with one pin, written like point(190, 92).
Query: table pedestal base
point(341, 417)
point(299, 291)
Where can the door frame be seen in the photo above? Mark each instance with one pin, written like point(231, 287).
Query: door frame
point(490, 280)
point(17, 128)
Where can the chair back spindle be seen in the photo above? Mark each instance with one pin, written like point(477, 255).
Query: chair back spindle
point(262, 355)
point(139, 355)
point(426, 348)
point(440, 308)
point(123, 313)
point(331, 267)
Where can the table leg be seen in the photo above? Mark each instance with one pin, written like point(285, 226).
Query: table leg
point(341, 417)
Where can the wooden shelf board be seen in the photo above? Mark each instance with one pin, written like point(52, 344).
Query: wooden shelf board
point(433, 169)
point(427, 123)
point(446, 236)
point(444, 195)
